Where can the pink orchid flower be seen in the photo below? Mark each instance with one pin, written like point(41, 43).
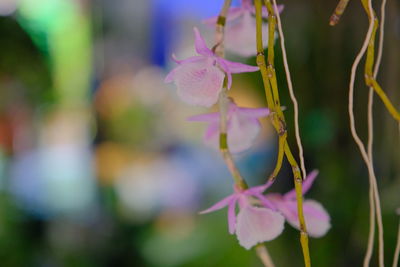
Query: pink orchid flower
point(243, 126)
point(252, 225)
point(200, 78)
point(316, 218)
point(240, 33)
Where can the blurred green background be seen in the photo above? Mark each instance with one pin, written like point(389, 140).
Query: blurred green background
point(99, 167)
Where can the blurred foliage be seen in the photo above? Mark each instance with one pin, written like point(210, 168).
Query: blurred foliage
point(24, 73)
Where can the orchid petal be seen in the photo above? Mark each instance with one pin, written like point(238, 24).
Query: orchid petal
point(220, 204)
point(210, 21)
point(256, 225)
point(307, 183)
point(317, 227)
point(242, 131)
point(170, 76)
point(266, 203)
point(316, 218)
point(174, 58)
point(279, 8)
point(208, 117)
point(315, 209)
point(287, 207)
point(260, 188)
point(199, 83)
point(200, 44)
point(234, 13)
point(225, 68)
point(236, 67)
point(211, 136)
point(212, 130)
point(240, 37)
point(232, 216)
point(246, 4)
point(188, 60)
point(255, 112)
point(264, 12)
point(229, 77)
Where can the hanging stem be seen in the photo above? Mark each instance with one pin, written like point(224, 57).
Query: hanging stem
point(281, 153)
point(278, 120)
point(223, 141)
point(289, 82)
point(224, 102)
point(299, 197)
point(337, 14)
point(370, 79)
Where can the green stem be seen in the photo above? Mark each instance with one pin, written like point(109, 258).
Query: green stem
point(272, 95)
point(299, 197)
point(340, 8)
point(281, 154)
point(370, 81)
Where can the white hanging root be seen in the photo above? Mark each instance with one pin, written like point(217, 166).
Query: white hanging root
point(372, 177)
point(291, 91)
point(371, 233)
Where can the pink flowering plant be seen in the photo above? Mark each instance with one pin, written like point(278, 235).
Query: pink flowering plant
point(253, 224)
point(205, 80)
point(240, 37)
point(243, 126)
point(316, 217)
point(265, 222)
point(199, 79)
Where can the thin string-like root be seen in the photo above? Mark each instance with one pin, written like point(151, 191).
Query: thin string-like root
point(377, 205)
point(357, 139)
point(372, 210)
point(371, 234)
point(263, 254)
point(291, 91)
